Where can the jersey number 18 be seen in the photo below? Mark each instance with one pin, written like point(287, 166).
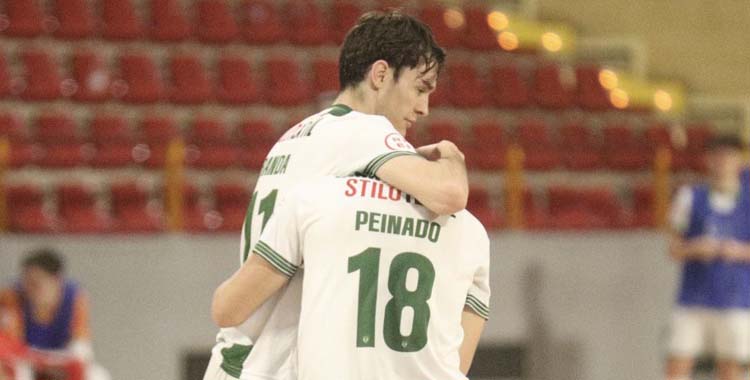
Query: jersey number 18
point(368, 263)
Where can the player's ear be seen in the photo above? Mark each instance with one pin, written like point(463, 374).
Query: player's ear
point(378, 74)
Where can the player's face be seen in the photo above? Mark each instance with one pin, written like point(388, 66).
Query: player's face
point(405, 100)
point(40, 286)
point(724, 163)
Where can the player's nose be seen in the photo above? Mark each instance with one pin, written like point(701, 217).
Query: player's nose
point(422, 107)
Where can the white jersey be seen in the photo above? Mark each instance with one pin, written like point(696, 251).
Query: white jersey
point(385, 283)
point(339, 142)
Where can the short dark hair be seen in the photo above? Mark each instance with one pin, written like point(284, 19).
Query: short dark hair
point(46, 259)
point(730, 141)
point(399, 39)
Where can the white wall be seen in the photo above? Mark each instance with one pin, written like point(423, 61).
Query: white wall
point(591, 306)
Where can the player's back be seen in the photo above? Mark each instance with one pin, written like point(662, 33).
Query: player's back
point(334, 142)
point(385, 283)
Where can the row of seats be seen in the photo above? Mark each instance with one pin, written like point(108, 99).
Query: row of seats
point(572, 145)
point(140, 79)
point(112, 142)
point(216, 21)
point(55, 140)
point(571, 208)
point(133, 208)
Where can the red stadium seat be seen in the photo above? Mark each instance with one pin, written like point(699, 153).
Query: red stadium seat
point(168, 21)
point(539, 151)
point(579, 151)
point(42, 76)
point(78, 211)
point(549, 90)
point(310, 24)
point(434, 16)
point(256, 138)
point(444, 130)
point(643, 206)
point(698, 136)
point(326, 76)
point(508, 89)
point(194, 212)
point(156, 132)
point(345, 16)
point(92, 78)
point(190, 83)
point(144, 83)
point(215, 21)
point(62, 148)
point(22, 152)
point(120, 21)
point(26, 211)
point(656, 136)
point(590, 94)
point(286, 85)
point(577, 209)
point(212, 147)
point(479, 204)
point(260, 22)
point(622, 150)
point(478, 34)
point(113, 141)
point(488, 147)
point(131, 211)
point(231, 200)
point(25, 18)
point(6, 88)
point(236, 82)
point(75, 19)
point(466, 88)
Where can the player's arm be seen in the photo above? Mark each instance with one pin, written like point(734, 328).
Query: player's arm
point(473, 325)
point(680, 248)
point(436, 177)
point(243, 293)
point(275, 259)
point(80, 344)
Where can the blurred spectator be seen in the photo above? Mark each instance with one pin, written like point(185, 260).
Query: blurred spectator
point(49, 313)
point(711, 236)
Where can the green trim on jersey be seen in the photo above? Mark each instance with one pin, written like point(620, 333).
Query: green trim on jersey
point(372, 167)
point(234, 358)
point(340, 110)
point(478, 306)
point(275, 259)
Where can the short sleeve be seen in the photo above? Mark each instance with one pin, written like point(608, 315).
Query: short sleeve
point(682, 205)
point(478, 296)
point(369, 144)
point(279, 243)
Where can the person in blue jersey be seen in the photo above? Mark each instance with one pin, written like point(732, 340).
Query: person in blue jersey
point(711, 240)
point(48, 312)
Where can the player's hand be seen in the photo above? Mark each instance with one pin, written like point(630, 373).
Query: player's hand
point(733, 250)
point(705, 248)
point(442, 149)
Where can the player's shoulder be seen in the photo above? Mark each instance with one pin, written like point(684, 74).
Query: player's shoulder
point(316, 190)
point(472, 226)
point(348, 120)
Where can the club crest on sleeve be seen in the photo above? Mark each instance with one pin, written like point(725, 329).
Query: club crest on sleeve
point(395, 141)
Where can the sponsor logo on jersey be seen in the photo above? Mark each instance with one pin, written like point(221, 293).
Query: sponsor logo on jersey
point(395, 141)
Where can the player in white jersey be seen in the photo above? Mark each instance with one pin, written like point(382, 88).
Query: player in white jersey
point(386, 286)
point(389, 66)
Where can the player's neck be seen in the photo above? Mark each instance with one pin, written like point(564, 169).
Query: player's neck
point(357, 99)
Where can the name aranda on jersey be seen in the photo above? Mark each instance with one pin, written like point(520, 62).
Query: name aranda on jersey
point(275, 165)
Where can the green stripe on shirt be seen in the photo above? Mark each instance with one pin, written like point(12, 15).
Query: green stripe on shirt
point(275, 259)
